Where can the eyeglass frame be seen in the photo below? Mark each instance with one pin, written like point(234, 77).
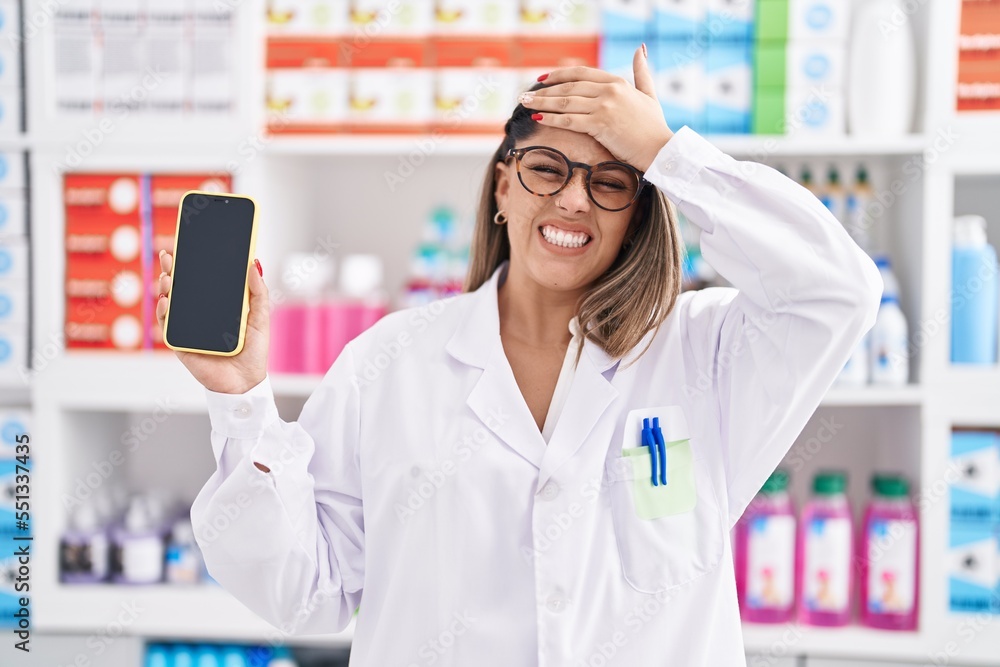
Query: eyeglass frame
point(518, 153)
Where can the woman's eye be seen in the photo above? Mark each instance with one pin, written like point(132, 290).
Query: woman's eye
point(543, 169)
point(609, 185)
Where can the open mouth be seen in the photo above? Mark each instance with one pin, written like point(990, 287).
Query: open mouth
point(562, 238)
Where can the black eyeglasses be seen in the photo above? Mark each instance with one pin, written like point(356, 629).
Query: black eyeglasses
point(544, 171)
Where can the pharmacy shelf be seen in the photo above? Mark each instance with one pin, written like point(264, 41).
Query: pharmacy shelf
point(152, 611)
point(756, 146)
point(967, 639)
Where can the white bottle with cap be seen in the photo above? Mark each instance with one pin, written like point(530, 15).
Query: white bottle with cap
point(83, 549)
point(137, 549)
point(974, 293)
point(890, 355)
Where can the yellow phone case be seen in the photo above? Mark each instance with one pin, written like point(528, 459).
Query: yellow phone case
point(246, 285)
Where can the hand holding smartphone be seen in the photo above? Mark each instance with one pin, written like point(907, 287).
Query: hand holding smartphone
point(213, 306)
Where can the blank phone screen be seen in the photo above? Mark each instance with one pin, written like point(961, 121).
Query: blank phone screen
point(210, 271)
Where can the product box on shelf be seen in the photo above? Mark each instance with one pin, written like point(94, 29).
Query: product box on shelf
point(559, 17)
point(730, 19)
point(12, 167)
point(12, 213)
point(114, 225)
point(627, 19)
point(972, 567)
point(14, 423)
point(391, 18)
point(678, 19)
point(681, 82)
point(475, 85)
point(978, 85)
point(728, 86)
point(391, 87)
point(308, 17)
point(476, 17)
point(975, 494)
point(781, 20)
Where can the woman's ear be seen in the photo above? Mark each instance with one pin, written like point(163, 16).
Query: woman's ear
point(502, 179)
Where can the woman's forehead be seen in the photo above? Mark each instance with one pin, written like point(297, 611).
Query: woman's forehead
point(577, 146)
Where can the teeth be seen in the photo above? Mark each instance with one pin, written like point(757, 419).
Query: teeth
point(565, 239)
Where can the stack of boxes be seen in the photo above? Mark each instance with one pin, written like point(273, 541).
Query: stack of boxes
point(414, 66)
point(116, 224)
point(14, 300)
point(800, 60)
point(979, 56)
point(974, 531)
point(13, 428)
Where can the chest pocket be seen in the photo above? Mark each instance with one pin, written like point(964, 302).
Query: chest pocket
point(667, 534)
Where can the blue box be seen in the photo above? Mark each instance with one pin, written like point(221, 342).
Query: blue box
point(730, 19)
point(626, 19)
point(678, 19)
point(975, 494)
point(679, 72)
point(615, 56)
point(13, 422)
point(729, 86)
point(973, 551)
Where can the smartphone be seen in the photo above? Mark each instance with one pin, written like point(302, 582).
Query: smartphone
point(209, 297)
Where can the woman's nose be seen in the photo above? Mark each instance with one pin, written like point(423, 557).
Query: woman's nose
point(573, 197)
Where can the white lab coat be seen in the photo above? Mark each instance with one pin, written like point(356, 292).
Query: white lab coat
point(416, 474)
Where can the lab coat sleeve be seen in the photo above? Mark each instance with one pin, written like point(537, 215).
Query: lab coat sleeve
point(767, 351)
point(289, 543)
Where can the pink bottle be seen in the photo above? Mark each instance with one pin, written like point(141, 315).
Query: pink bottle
point(360, 304)
point(889, 557)
point(825, 549)
point(765, 554)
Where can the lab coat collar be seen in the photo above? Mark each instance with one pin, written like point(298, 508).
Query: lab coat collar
point(479, 331)
point(476, 342)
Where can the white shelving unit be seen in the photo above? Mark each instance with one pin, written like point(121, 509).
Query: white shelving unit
point(334, 188)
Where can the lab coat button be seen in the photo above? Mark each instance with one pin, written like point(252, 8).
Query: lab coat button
point(550, 491)
point(555, 604)
point(243, 410)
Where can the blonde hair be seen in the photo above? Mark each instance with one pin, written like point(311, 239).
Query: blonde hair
point(638, 290)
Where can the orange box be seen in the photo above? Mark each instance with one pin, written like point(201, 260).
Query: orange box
point(303, 52)
point(552, 52)
point(980, 17)
point(166, 192)
point(473, 52)
point(978, 85)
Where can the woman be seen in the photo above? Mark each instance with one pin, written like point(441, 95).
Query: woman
point(479, 469)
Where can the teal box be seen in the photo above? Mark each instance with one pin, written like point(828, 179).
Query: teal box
point(974, 467)
point(679, 73)
point(678, 19)
point(729, 86)
point(973, 553)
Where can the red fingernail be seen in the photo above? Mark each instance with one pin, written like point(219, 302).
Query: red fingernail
point(644, 54)
point(536, 116)
point(259, 270)
point(543, 77)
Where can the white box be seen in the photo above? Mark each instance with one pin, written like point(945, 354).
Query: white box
point(12, 218)
point(13, 304)
point(391, 95)
point(11, 170)
point(476, 17)
point(13, 260)
point(10, 111)
point(308, 95)
point(814, 111)
point(392, 18)
point(13, 422)
point(13, 353)
point(815, 63)
point(475, 95)
point(559, 17)
point(818, 19)
point(308, 17)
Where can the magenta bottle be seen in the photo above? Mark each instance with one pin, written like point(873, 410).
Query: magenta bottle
point(889, 557)
point(765, 554)
point(825, 548)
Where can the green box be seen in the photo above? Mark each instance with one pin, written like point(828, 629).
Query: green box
point(770, 65)
point(768, 112)
point(772, 21)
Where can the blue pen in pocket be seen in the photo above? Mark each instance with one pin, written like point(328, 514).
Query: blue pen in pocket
point(662, 447)
point(649, 441)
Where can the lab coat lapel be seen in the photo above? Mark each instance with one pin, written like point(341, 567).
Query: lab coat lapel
point(589, 396)
point(495, 399)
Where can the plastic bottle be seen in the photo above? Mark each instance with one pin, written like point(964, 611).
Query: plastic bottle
point(858, 210)
point(765, 536)
point(184, 564)
point(360, 304)
point(83, 549)
point(856, 371)
point(282, 658)
point(833, 196)
point(158, 655)
point(881, 93)
point(890, 355)
point(137, 547)
point(889, 557)
point(974, 289)
point(297, 335)
point(825, 546)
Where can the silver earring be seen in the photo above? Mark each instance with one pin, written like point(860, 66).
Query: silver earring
point(500, 218)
